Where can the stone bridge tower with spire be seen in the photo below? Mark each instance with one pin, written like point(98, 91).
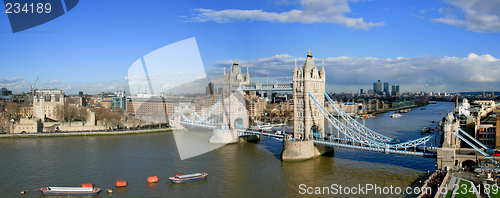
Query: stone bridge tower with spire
point(234, 108)
point(307, 119)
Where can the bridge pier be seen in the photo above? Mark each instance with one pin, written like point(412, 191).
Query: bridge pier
point(224, 136)
point(249, 138)
point(303, 150)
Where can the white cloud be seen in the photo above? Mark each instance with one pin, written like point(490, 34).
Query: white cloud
point(10, 80)
point(14, 84)
point(314, 11)
point(103, 87)
point(475, 15)
point(344, 74)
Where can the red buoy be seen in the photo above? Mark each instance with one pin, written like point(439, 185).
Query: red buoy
point(121, 183)
point(152, 179)
point(87, 185)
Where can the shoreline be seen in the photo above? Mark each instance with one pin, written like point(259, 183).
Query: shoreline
point(97, 133)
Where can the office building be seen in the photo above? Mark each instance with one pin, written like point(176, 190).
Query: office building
point(386, 87)
point(5, 92)
point(210, 89)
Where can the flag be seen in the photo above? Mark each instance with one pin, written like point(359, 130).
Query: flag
point(265, 75)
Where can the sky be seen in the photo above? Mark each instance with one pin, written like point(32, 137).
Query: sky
point(439, 46)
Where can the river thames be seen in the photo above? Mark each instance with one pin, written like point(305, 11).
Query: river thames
point(235, 170)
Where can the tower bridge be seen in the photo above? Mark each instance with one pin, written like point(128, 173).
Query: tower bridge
point(229, 118)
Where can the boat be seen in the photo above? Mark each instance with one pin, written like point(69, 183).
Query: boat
point(179, 178)
point(422, 108)
point(266, 126)
point(396, 115)
point(425, 130)
point(367, 116)
point(70, 190)
point(432, 102)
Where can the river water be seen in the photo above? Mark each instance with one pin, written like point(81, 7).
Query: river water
point(235, 170)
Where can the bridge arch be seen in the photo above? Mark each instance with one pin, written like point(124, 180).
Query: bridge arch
point(468, 164)
point(239, 123)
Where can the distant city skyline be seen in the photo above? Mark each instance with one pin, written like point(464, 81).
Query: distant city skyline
point(439, 46)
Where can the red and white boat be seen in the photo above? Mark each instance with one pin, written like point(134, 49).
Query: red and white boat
point(70, 190)
point(179, 178)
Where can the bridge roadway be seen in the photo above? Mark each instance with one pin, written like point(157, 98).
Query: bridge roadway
point(202, 125)
point(267, 87)
point(338, 143)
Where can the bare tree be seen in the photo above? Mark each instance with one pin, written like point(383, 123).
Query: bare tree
point(110, 118)
point(71, 113)
point(4, 124)
point(12, 110)
point(59, 112)
point(81, 114)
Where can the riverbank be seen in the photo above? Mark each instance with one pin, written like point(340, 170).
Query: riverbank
point(396, 109)
point(84, 133)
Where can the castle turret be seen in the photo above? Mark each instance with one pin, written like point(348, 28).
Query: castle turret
point(323, 69)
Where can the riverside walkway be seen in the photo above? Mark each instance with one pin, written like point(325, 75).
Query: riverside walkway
point(87, 133)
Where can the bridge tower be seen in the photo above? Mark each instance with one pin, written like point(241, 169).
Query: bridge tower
point(308, 122)
point(450, 143)
point(187, 109)
point(307, 119)
point(234, 106)
point(233, 99)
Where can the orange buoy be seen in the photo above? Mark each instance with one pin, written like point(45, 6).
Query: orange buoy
point(152, 179)
point(179, 175)
point(87, 185)
point(121, 183)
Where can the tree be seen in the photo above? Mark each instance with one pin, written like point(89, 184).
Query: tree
point(4, 124)
point(59, 112)
point(12, 110)
point(111, 119)
point(81, 114)
point(71, 113)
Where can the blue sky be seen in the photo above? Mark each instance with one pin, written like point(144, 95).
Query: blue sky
point(441, 46)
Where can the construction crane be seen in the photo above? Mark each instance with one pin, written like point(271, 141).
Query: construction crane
point(125, 86)
point(33, 86)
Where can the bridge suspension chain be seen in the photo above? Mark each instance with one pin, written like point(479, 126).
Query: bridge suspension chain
point(356, 125)
point(355, 136)
point(211, 111)
point(361, 138)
